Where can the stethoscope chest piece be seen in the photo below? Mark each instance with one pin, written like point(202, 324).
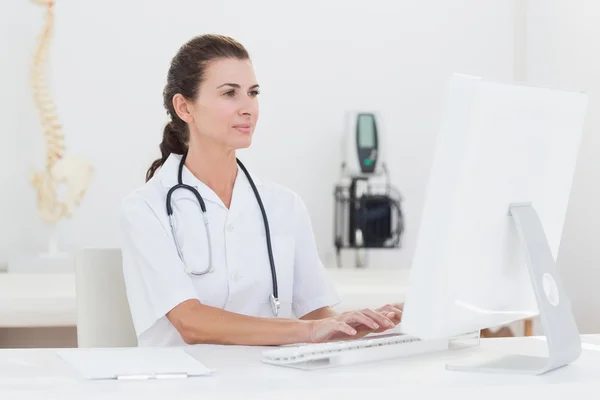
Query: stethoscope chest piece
point(275, 304)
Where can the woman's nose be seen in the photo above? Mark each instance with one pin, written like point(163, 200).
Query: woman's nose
point(248, 107)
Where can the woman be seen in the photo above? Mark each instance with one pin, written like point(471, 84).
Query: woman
point(188, 282)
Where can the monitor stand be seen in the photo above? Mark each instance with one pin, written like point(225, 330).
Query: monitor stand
point(558, 323)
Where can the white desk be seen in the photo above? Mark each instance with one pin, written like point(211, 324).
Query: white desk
point(241, 375)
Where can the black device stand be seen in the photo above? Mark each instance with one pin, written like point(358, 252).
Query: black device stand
point(368, 219)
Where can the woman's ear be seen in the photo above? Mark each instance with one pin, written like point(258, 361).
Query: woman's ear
point(182, 108)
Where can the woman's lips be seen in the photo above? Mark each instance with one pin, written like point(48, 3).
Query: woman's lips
point(245, 128)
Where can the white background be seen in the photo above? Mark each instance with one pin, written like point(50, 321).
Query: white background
point(562, 51)
point(314, 60)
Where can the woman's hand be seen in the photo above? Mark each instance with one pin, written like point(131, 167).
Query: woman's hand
point(381, 315)
point(350, 325)
point(395, 308)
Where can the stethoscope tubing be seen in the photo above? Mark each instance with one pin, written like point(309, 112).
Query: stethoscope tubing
point(181, 185)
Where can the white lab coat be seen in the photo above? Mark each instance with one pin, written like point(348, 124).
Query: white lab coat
point(240, 281)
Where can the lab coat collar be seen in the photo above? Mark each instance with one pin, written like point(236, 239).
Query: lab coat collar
point(168, 176)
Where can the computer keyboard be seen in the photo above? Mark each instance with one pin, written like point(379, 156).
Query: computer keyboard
point(367, 349)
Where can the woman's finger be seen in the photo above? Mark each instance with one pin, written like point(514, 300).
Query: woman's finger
point(397, 314)
point(379, 317)
point(391, 315)
point(390, 308)
point(345, 328)
point(360, 317)
point(323, 330)
point(397, 306)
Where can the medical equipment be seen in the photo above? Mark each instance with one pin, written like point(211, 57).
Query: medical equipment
point(377, 347)
point(367, 211)
point(274, 297)
point(493, 219)
point(363, 153)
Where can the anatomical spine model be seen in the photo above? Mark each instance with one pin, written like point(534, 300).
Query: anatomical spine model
point(73, 172)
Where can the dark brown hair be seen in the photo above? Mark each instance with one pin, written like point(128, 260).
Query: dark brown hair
point(186, 73)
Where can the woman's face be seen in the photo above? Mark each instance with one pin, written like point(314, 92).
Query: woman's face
point(226, 108)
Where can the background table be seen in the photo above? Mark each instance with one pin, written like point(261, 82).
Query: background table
point(38, 310)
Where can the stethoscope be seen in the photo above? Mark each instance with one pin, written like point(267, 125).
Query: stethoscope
point(274, 297)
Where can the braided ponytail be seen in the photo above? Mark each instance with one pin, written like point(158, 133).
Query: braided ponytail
point(175, 139)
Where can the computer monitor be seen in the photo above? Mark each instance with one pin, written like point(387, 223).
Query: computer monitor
point(493, 214)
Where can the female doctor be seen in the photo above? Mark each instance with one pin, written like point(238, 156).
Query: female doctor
point(212, 253)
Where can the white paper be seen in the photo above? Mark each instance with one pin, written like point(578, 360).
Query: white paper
point(133, 363)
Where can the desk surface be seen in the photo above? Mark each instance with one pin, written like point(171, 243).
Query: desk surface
point(42, 300)
point(241, 375)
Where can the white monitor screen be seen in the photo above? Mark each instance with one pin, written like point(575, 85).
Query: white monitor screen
point(497, 144)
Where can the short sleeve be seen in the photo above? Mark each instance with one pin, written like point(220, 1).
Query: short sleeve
point(154, 275)
point(313, 288)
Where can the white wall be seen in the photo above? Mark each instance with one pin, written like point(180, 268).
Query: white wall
point(109, 62)
point(562, 43)
point(18, 25)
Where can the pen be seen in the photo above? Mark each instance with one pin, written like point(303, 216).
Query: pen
point(153, 376)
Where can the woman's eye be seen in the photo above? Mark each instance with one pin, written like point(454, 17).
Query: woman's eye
point(254, 93)
point(231, 93)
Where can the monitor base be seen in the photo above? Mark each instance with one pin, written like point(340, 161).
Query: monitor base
point(556, 317)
